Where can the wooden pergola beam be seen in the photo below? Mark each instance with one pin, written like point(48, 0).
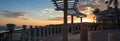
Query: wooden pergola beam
point(55, 3)
point(60, 5)
point(59, 9)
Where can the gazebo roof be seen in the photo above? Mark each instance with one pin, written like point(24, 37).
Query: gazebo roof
point(59, 4)
point(72, 9)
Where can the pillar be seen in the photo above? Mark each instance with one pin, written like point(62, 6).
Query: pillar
point(23, 32)
point(11, 28)
point(64, 29)
point(72, 21)
point(84, 34)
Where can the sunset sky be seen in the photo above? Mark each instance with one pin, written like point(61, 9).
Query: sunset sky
point(41, 12)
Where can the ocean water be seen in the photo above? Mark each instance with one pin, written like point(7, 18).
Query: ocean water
point(3, 28)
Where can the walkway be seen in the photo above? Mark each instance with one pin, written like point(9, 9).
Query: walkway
point(71, 37)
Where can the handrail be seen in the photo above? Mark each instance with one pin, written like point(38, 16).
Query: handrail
point(33, 33)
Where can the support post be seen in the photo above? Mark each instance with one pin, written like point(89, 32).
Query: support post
point(84, 34)
point(72, 28)
point(64, 29)
point(81, 26)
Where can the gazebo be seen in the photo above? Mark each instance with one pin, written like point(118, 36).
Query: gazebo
point(69, 7)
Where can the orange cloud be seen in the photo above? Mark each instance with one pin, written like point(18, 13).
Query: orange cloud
point(89, 18)
point(57, 20)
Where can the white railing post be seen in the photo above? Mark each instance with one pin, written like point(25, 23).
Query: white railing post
point(11, 28)
point(54, 29)
point(23, 32)
point(29, 33)
point(39, 34)
point(57, 29)
point(34, 35)
point(43, 32)
point(60, 29)
point(48, 31)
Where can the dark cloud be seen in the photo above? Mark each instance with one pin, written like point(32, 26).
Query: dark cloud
point(18, 15)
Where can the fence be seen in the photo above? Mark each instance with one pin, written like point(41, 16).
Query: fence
point(31, 33)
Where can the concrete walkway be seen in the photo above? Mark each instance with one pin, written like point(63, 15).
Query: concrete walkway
point(71, 37)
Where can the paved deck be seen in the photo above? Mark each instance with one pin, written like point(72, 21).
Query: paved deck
point(71, 37)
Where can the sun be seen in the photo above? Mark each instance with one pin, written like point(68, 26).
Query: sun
point(87, 20)
point(84, 20)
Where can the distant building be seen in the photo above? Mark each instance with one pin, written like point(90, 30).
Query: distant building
point(108, 17)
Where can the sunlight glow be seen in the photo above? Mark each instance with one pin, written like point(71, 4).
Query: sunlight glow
point(85, 20)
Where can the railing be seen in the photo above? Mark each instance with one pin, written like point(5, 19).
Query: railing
point(36, 33)
point(42, 33)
